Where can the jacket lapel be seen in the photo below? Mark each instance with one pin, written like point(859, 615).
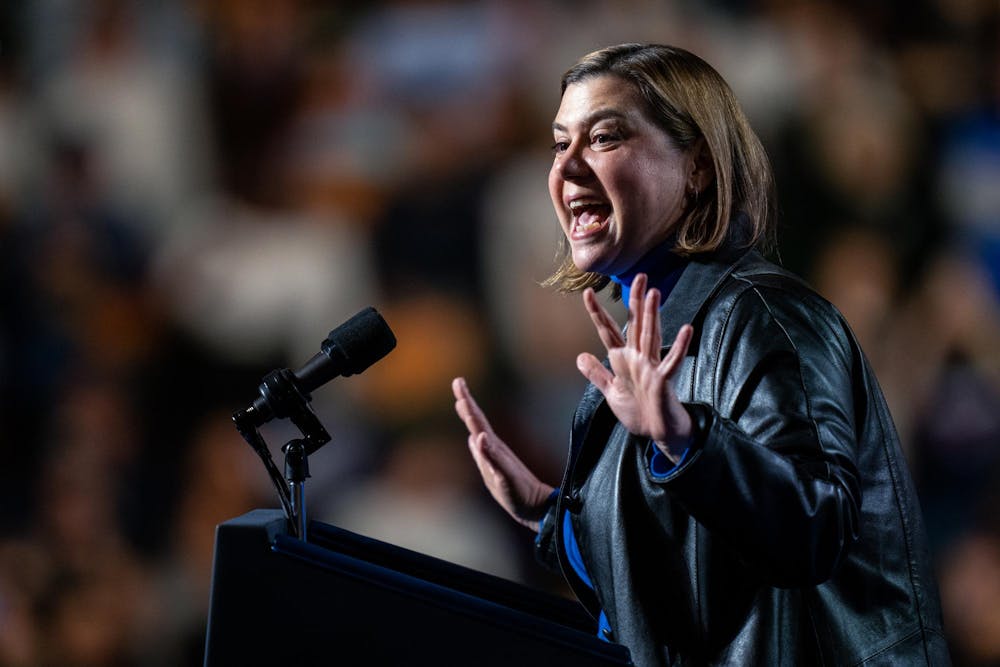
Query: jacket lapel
point(698, 283)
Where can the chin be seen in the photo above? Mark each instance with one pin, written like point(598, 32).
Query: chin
point(598, 256)
point(590, 265)
point(583, 263)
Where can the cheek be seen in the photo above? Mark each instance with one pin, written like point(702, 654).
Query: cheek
point(662, 193)
point(555, 192)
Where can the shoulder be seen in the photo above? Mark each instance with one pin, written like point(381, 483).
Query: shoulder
point(760, 302)
point(771, 345)
point(754, 273)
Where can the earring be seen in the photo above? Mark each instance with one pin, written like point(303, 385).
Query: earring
point(691, 193)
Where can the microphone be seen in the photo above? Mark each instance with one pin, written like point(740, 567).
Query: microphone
point(348, 350)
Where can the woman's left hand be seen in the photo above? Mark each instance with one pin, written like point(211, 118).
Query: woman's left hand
point(638, 388)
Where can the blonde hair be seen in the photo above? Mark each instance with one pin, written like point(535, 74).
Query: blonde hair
point(689, 100)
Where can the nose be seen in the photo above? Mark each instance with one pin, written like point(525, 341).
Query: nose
point(571, 166)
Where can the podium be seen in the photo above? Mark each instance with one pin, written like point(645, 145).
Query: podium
point(345, 599)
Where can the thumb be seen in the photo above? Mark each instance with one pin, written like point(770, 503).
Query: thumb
point(594, 371)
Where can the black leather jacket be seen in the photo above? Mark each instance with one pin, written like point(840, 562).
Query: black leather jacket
point(791, 534)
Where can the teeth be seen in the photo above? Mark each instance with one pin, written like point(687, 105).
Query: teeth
point(578, 205)
point(579, 209)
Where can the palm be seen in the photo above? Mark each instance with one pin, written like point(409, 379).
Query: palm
point(636, 393)
point(509, 481)
point(638, 386)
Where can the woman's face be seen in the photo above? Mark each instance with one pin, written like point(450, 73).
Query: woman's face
point(617, 180)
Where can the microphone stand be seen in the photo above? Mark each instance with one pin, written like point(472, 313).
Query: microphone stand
point(284, 398)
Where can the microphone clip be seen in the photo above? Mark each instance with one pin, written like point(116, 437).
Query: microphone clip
point(282, 396)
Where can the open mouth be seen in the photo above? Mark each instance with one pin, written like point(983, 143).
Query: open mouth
point(589, 216)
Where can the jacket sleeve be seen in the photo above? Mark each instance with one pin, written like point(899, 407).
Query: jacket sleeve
point(545, 543)
point(774, 470)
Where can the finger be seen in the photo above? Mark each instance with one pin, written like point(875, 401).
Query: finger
point(462, 394)
point(649, 339)
point(594, 371)
point(623, 364)
point(607, 328)
point(468, 410)
point(478, 448)
point(501, 458)
point(465, 414)
point(678, 350)
point(635, 300)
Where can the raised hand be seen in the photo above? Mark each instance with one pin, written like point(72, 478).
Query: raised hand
point(638, 388)
point(510, 482)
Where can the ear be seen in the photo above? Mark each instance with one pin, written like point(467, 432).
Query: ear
point(701, 170)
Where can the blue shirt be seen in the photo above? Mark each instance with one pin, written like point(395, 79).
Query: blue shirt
point(661, 265)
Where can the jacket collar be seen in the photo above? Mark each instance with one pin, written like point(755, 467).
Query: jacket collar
point(700, 280)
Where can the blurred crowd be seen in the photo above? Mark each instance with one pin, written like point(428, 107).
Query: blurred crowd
point(193, 193)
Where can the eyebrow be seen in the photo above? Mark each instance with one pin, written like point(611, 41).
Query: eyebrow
point(595, 117)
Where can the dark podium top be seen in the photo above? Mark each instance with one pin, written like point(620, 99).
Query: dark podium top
point(345, 599)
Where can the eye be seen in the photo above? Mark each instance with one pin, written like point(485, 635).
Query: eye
point(560, 147)
point(603, 138)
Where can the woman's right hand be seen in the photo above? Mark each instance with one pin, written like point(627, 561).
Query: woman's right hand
point(509, 481)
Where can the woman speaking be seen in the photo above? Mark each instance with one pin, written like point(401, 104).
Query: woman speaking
point(734, 493)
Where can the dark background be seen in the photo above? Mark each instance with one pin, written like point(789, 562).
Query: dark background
point(194, 193)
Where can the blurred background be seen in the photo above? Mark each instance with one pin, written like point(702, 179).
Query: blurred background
point(194, 192)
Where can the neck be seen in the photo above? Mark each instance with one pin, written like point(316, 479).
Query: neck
point(660, 264)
